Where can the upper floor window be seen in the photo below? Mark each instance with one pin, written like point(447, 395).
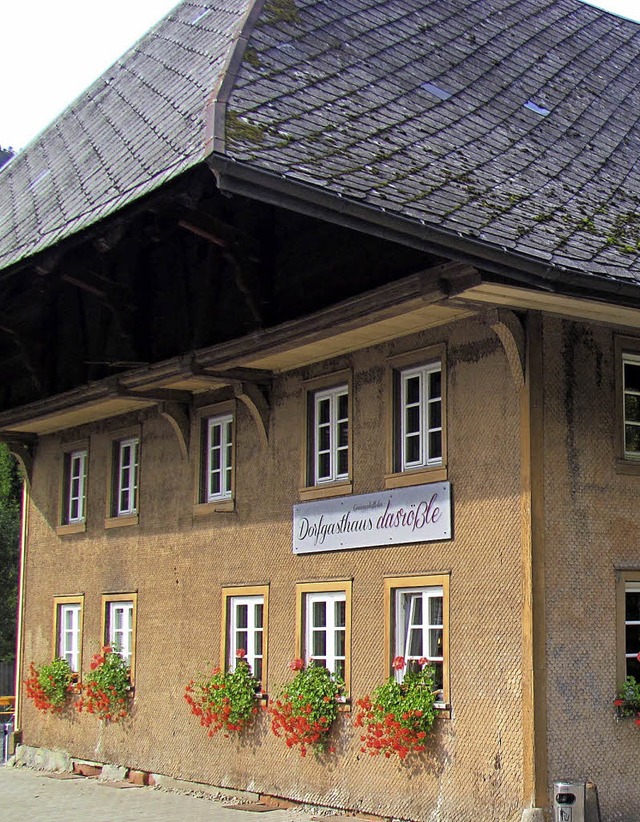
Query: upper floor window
point(245, 628)
point(217, 462)
point(419, 421)
point(631, 405)
point(75, 487)
point(329, 446)
point(126, 480)
point(68, 630)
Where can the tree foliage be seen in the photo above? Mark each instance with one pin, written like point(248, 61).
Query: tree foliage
point(10, 487)
point(5, 155)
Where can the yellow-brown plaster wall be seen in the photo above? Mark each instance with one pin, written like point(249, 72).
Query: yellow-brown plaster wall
point(592, 528)
point(177, 564)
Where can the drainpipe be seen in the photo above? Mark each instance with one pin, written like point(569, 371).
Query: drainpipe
point(24, 532)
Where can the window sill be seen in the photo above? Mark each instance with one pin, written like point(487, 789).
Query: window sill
point(121, 522)
point(333, 489)
point(71, 528)
point(418, 476)
point(223, 506)
point(628, 466)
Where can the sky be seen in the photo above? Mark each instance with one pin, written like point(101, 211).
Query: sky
point(52, 50)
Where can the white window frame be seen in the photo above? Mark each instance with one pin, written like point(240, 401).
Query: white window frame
point(76, 497)
point(334, 449)
point(253, 631)
point(121, 638)
point(631, 586)
point(634, 360)
point(330, 630)
point(127, 489)
point(404, 624)
point(425, 403)
point(223, 423)
point(68, 641)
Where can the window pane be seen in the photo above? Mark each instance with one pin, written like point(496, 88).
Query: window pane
point(435, 414)
point(632, 407)
point(257, 669)
point(632, 438)
point(340, 613)
point(216, 432)
point(241, 640)
point(343, 462)
point(242, 616)
point(258, 643)
point(323, 465)
point(259, 615)
point(435, 444)
point(413, 419)
point(632, 639)
point(632, 606)
point(412, 448)
point(343, 435)
point(631, 377)
point(323, 412)
point(435, 610)
point(412, 390)
point(435, 643)
point(415, 642)
point(339, 669)
point(319, 644)
point(435, 384)
point(319, 614)
point(438, 678)
point(324, 439)
point(340, 643)
point(343, 406)
point(416, 611)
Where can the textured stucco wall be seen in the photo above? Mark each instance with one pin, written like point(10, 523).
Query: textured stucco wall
point(178, 564)
point(592, 528)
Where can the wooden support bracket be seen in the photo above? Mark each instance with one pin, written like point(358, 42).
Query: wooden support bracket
point(22, 448)
point(256, 402)
point(510, 332)
point(177, 415)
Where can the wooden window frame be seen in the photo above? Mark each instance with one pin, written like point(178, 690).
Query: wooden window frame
point(58, 604)
point(624, 579)
point(310, 488)
point(393, 585)
point(107, 601)
point(76, 525)
point(419, 360)
point(626, 349)
point(227, 646)
point(202, 505)
point(303, 589)
point(117, 517)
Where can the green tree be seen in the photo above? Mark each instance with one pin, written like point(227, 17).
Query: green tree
point(10, 492)
point(5, 155)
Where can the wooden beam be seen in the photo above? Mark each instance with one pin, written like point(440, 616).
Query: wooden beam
point(157, 394)
point(177, 415)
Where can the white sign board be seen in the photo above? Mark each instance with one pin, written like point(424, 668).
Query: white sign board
point(420, 513)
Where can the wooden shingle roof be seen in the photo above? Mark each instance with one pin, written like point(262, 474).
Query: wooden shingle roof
point(513, 123)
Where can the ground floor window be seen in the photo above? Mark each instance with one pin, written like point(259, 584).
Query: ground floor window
point(120, 625)
point(632, 628)
point(417, 614)
point(68, 630)
point(324, 626)
point(245, 628)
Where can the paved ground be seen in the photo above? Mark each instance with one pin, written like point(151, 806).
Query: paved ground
point(36, 796)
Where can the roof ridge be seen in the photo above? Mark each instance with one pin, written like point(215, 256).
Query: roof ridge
point(215, 112)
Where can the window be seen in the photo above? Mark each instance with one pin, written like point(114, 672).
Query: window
point(420, 417)
point(75, 487)
point(217, 463)
point(418, 610)
point(126, 491)
point(245, 621)
point(632, 629)
point(324, 633)
point(68, 630)
point(416, 450)
point(329, 445)
point(631, 405)
point(120, 625)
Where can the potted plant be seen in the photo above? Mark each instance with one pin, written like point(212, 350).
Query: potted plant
point(106, 689)
point(225, 700)
point(627, 703)
point(306, 708)
point(398, 717)
point(50, 685)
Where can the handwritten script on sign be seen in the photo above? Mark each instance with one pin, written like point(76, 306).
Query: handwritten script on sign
point(420, 513)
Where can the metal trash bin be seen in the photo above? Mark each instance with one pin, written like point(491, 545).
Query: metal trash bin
point(569, 800)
